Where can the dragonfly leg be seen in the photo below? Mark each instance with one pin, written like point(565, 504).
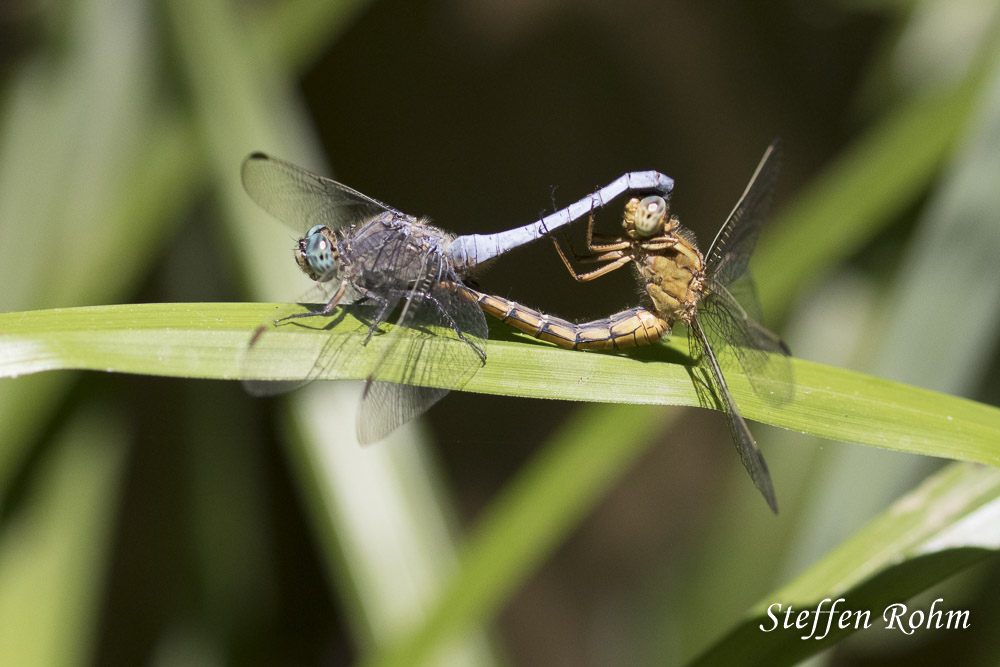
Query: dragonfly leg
point(605, 245)
point(665, 242)
point(604, 257)
point(598, 252)
point(616, 258)
point(451, 322)
point(327, 309)
point(604, 270)
point(383, 311)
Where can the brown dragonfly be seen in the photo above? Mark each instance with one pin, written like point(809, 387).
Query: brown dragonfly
point(712, 294)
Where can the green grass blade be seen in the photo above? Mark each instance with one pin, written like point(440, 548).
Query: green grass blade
point(948, 523)
point(207, 341)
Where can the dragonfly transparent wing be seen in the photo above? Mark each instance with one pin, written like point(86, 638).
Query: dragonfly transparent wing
point(439, 340)
point(282, 347)
point(746, 446)
point(302, 199)
point(730, 310)
point(727, 257)
point(740, 341)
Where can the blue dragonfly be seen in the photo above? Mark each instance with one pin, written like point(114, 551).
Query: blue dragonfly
point(361, 251)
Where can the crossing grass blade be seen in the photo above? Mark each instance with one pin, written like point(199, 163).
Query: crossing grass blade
point(944, 525)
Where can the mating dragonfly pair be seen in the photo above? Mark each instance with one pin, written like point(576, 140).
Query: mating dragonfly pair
point(362, 251)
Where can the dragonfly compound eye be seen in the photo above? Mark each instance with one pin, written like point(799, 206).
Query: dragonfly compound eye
point(317, 255)
point(649, 215)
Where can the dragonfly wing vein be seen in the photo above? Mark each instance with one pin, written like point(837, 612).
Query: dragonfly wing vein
point(727, 257)
point(746, 446)
point(436, 345)
point(742, 342)
point(302, 199)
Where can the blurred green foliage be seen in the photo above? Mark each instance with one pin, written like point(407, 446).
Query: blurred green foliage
point(172, 521)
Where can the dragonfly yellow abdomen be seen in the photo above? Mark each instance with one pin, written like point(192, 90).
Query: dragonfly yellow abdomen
point(629, 328)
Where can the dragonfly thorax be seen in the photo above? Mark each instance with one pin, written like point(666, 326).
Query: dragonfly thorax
point(317, 254)
point(675, 279)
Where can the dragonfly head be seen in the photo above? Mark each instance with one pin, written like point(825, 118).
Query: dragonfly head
point(317, 254)
point(647, 217)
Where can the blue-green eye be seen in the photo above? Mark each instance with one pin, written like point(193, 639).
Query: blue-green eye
point(319, 253)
